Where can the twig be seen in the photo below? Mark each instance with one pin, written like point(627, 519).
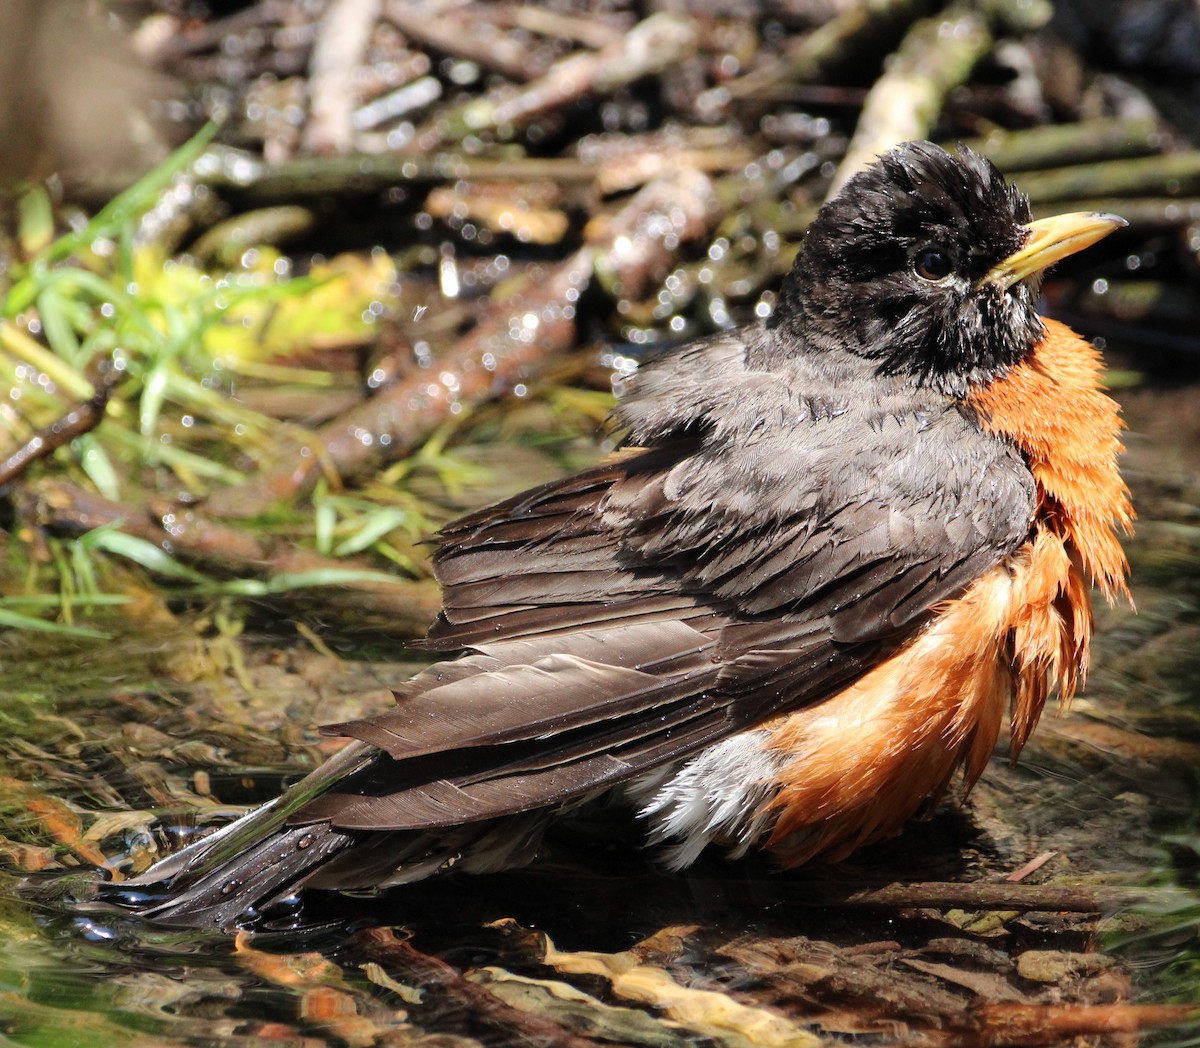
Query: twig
point(979, 895)
point(210, 34)
point(1142, 213)
point(1172, 174)
point(81, 419)
point(256, 183)
point(339, 49)
point(591, 32)
point(630, 258)
point(508, 346)
point(1041, 1024)
point(432, 973)
point(626, 161)
point(1034, 148)
point(353, 175)
point(651, 46)
point(423, 24)
point(407, 607)
point(808, 59)
point(936, 55)
point(1032, 866)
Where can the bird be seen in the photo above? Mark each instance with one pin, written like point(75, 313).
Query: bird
point(834, 550)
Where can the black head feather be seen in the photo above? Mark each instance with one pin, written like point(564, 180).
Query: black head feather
point(890, 270)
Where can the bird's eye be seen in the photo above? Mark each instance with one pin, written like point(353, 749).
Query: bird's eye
point(933, 263)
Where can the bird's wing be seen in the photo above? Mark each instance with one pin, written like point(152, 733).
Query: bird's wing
point(633, 613)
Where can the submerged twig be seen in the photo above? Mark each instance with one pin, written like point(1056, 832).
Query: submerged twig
point(1040, 1024)
point(432, 973)
point(979, 895)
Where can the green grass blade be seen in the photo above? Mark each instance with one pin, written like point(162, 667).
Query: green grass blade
point(14, 620)
point(98, 466)
point(149, 556)
point(375, 526)
point(139, 197)
point(37, 601)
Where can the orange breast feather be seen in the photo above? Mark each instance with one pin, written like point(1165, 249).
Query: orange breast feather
point(864, 761)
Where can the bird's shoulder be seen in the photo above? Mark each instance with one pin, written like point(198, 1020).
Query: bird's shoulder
point(759, 483)
point(771, 434)
point(756, 390)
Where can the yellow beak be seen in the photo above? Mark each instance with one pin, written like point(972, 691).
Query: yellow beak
point(1050, 240)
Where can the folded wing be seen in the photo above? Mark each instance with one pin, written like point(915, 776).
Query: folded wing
point(639, 611)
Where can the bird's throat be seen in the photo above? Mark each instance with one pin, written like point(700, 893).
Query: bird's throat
point(1052, 406)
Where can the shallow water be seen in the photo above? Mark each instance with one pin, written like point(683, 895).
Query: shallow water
point(115, 750)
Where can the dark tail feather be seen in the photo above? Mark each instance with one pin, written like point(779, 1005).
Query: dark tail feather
point(226, 879)
point(235, 894)
point(237, 877)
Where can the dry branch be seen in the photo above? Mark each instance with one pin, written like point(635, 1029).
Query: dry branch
point(340, 46)
point(651, 46)
point(936, 55)
point(407, 607)
point(808, 59)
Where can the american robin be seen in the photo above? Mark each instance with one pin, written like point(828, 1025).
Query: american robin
point(839, 545)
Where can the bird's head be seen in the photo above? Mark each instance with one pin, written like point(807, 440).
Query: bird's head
point(929, 263)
